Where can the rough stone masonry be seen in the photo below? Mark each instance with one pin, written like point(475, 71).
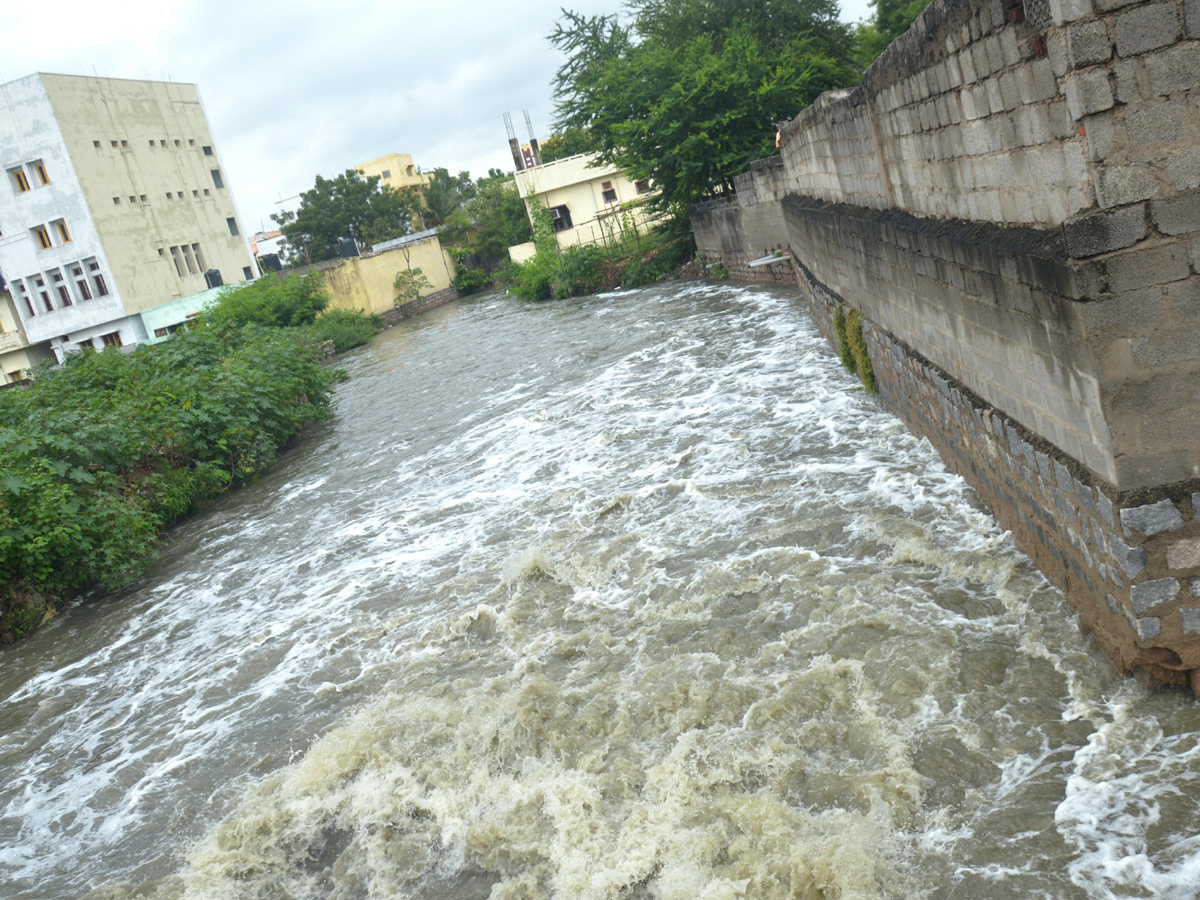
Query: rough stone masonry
point(1011, 198)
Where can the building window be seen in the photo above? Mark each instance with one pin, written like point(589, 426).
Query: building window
point(189, 258)
point(116, 201)
point(29, 306)
point(62, 231)
point(178, 144)
point(20, 180)
point(43, 237)
point(560, 217)
point(387, 173)
point(207, 192)
point(247, 273)
point(114, 143)
point(207, 151)
point(642, 187)
point(96, 144)
point(199, 257)
point(217, 182)
point(81, 284)
point(124, 143)
point(64, 295)
point(46, 300)
point(112, 339)
point(177, 258)
point(610, 194)
point(40, 168)
point(98, 279)
point(132, 199)
point(195, 195)
point(152, 142)
point(142, 198)
point(233, 229)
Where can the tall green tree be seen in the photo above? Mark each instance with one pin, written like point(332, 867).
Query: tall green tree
point(348, 206)
point(689, 92)
point(570, 142)
point(444, 194)
point(891, 18)
point(490, 222)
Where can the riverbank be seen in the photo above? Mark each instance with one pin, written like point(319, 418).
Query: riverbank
point(100, 455)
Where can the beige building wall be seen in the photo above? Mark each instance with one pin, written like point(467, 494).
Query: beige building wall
point(365, 282)
point(17, 357)
point(395, 170)
point(150, 174)
point(596, 198)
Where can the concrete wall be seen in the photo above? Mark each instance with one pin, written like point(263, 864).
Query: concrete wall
point(1011, 198)
point(17, 355)
point(365, 282)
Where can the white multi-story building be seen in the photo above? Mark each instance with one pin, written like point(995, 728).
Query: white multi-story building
point(113, 202)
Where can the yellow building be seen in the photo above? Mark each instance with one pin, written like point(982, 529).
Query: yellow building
point(114, 201)
point(17, 355)
point(395, 170)
point(590, 202)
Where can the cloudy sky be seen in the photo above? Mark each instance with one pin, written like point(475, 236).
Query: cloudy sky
point(295, 89)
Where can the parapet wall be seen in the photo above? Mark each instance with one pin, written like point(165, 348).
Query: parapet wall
point(1010, 197)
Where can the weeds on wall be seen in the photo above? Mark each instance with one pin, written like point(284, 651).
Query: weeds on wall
point(852, 346)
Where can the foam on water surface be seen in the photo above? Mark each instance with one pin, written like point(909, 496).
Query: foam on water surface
point(631, 596)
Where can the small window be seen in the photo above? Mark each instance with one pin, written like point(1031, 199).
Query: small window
point(207, 192)
point(124, 143)
point(163, 142)
point(43, 237)
point(199, 257)
point(411, 171)
point(207, 151)
point(81, 285)
point(642, 187)
point(160, 332)
point(560, 216)
point(112, 339)
point(189, 259)
point(40, 168)
point(101, 287)
point(142, 198)
point(132, 199)
point(387, 173)
point(610, 195)
point(151, 142)
point(29, 306)
point(217, 182)
point(178, 144)
point(114, 143)
point(247, 273)
point(169, 195)
point(191, 142)
point(233, 229)
point(46, 301)
point(64, 295)
point(196, 195)
point(96, 144)
point(116, 201)
point(162, 252)
point(62, 231)
point(20, 180)
point(177, 258)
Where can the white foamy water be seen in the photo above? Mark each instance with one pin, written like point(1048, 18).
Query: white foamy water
point(626, 597)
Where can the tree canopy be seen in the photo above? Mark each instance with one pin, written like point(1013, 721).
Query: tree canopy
point(491, 221)
point(689, 93)
point(890, 20)
point(444, 194)
point(349, 206)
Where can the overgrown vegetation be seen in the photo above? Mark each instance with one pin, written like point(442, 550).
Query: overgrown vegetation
point(629, 259)
point(890, 19)
point(479, 232)
point(852, 346)
point(98, 456)
point(297, 301)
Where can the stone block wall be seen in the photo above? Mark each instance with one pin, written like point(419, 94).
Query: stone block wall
point(1011, 196)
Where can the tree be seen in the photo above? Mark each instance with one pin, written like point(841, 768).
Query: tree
point(891, 19)
point(689, 93)
point(444, 194)
point(348, 206)
point(493, 220)
point(570, 142)
point(409, 284)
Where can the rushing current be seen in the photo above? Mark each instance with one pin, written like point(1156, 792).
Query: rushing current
point(632, 596)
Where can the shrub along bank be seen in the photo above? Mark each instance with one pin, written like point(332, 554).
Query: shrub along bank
point(98, 456)
point(624, 262)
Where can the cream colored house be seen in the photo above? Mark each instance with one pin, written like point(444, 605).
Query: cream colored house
point(114, 201)
point(17, 355)
point(590, 202)
point(395, 170)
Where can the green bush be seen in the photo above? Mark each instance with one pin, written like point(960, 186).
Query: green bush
point(852, 346)
point(471, 281)
point(580, 271)
point(347, 328)
point(272, 300)
point(97, 456)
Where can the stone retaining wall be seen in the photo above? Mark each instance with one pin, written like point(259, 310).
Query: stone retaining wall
point(1011, 197)
point(414, 307)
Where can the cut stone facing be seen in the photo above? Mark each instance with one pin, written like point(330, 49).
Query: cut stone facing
point(1190, 617)
point(1102, 232)
point(1151, 519)
point(1184, 554)
point(1132, 560)
point(1150, 594)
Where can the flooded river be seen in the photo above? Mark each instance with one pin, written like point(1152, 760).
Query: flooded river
point(623, 597)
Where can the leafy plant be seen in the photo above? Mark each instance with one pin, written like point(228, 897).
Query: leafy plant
point(273, 301)
point(347, 328)
point(471, 281)
point(410, 285)
point(852, 346)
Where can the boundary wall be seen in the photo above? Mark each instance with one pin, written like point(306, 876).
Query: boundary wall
point(1010, 198)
